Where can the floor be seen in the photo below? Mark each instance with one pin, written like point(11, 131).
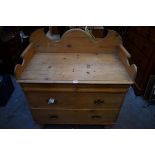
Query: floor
point(136, 113)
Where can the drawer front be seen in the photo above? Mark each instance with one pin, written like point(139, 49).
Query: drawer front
point(70, 116)
point(73, 100)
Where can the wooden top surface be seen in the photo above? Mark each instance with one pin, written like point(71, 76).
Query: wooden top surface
point(90, 68)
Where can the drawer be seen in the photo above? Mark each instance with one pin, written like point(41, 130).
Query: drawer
point(143, 31)
point(70, 116)
point(73, 100)
point(152, 34)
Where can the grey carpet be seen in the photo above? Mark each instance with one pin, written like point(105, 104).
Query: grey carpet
point(136, 113)
point(16, 114)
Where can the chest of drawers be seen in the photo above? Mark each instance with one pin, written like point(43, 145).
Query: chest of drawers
point(77, 80)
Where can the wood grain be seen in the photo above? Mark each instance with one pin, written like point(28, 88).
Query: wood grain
point(74, 100)
point(75, 40)
point(26, 57)
point(59, 87)
point(124, 56)
point(101, 68)
point(76, 116)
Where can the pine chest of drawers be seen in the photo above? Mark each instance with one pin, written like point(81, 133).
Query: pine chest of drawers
point(77, 80)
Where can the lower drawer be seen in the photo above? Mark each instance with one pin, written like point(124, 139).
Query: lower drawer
point(75, 116)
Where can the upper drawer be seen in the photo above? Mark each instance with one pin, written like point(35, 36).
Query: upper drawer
point(43, 99)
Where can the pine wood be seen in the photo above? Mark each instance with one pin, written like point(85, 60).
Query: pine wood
point(75, 40)
point(26, 56)
point(75, 116)
point(76, 71)
point(125, 56)
point(84, 67)
point(74, 100)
